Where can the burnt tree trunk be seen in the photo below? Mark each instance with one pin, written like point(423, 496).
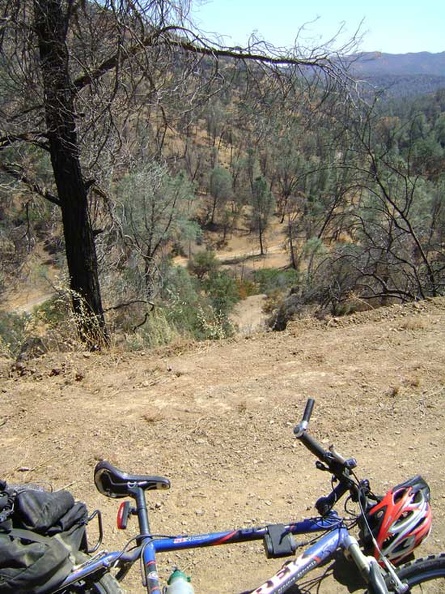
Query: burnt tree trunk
point(51, 21)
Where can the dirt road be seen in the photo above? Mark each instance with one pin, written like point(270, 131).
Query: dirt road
point(217, 419)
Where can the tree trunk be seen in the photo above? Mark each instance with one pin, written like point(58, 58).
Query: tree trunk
point(51, 27)
point(293, 260)
point(260, 237)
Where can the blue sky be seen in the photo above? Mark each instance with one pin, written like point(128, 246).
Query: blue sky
point(390, 26)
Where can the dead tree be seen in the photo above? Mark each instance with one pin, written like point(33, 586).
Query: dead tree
point(72, 75)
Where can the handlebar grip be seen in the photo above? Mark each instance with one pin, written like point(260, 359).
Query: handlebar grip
point(303, 424)
point(313, 446)
point(308, 410)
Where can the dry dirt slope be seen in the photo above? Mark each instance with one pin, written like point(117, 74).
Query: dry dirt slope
point(217, 420)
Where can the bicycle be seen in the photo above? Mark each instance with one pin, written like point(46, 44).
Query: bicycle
point(103, 573)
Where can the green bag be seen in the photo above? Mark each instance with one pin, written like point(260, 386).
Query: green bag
point(31, 563)
point(39, 532)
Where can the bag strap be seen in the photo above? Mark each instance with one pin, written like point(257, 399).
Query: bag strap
point(28, 535)
point(7, 500)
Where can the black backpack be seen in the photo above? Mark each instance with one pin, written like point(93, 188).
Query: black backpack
point(40, 532)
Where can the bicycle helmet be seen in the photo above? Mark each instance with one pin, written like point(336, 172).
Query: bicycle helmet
point(401, 520)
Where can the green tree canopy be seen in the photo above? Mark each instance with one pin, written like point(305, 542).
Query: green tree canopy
point(155, 210)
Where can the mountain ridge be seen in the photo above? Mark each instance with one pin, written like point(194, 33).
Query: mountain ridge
point(399, 75)
point(398, 64)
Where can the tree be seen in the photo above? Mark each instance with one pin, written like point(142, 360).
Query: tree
point(155, 209)
point(394, 249)
point(204, 264)
point(221, 190)
point(262, 207)
point(79, 96)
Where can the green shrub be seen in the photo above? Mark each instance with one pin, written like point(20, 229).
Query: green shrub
point(54, 311)
point(213, 324)
point(12, 333)
point(187, 309)
point(157, 331)
point(246, 288)
point(273, 280)
point(203, 264)
point(222, 292)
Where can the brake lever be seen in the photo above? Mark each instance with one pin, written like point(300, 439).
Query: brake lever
point(320, 466)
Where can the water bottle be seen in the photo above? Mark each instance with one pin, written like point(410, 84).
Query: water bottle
point(179, 583)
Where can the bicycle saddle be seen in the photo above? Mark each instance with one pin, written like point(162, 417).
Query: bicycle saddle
point(112, 482)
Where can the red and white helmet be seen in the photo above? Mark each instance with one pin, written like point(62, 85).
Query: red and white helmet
point(401, 520)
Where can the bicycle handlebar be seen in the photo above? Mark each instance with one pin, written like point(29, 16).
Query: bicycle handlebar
point(336, 463)
point(300, 432)
point(330, 460)
point(308, 410)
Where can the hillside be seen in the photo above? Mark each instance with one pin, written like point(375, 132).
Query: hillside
point(421, 63)
point(400, 75)
point(217, 419)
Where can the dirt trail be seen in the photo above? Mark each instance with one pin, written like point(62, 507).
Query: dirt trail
point(217, 419)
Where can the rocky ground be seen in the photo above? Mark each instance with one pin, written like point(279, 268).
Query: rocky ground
point(217, 419)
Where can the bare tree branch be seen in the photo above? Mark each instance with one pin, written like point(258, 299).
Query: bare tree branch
point(16, 172)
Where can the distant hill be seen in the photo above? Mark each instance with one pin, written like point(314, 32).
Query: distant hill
point(378, 64)
point(400, 75)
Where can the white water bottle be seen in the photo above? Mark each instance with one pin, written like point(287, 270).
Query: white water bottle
point(179, 583)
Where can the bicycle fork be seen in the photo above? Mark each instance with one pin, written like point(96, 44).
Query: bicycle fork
point(370, 569)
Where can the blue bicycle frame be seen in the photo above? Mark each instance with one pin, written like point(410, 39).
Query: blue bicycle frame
point(316, 554)
point(337, 536)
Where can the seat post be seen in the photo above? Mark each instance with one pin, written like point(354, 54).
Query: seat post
point(141, 507)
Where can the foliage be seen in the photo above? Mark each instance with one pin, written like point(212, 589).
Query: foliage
point(188, 308)
point(203, 264)
point(54, 311)
point(12, 333)
point(88, 100)
point(221, 190)
point(169, 138)
point(263, 203)
point(222, 292)
point(158, 330)
point(246, 287)
point(155, 209)
point(271, 280)
point(180, 299)
point(220, 287)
